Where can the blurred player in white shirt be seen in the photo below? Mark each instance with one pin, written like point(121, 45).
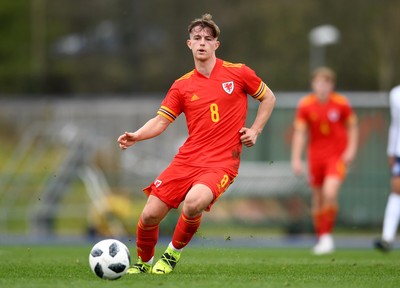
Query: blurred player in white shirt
point(392, 212)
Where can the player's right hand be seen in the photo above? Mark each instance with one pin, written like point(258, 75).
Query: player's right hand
point(126, 140)
point(297, 167)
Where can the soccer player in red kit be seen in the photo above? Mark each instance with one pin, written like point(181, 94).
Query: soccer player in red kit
point(213, 98)
point(328, 120)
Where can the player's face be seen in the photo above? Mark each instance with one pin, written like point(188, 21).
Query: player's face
point(322, 86)
point(202, 43)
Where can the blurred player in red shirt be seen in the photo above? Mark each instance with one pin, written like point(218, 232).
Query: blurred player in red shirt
point(326, 119)
point(213, 98)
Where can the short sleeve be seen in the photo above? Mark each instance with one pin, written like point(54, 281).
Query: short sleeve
point(253, 84)
point(171, 106)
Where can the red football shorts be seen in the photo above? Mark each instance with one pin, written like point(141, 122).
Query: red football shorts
point(319, 170)
point(175, 181)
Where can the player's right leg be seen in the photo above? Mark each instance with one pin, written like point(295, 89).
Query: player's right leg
point(147, 234)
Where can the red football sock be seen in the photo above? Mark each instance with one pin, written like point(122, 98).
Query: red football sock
point(184, 230)
point(328, 219)
point(317, 220)
point(146, 240)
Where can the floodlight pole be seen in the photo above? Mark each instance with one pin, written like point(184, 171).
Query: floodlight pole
point(320, 37)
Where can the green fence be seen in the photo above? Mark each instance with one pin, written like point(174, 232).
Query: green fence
point(272, 197)
point(363, 196)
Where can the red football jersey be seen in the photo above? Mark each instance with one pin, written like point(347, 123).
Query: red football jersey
point(215, 109)
point(326, 123)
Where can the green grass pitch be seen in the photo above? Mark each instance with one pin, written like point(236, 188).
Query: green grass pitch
point(65, 266)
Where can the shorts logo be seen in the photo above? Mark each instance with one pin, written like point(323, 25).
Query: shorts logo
point(157, 183)
point(228, 87)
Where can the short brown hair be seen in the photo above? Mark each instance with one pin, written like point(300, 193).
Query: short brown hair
point(205, 22)
point(325, 72)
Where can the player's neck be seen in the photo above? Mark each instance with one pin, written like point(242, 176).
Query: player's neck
point(323, 98)
point(205, 67)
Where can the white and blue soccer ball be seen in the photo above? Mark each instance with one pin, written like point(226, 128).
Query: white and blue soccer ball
point(109, 259)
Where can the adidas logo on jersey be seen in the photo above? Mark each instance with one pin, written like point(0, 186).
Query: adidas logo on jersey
point(194, 98)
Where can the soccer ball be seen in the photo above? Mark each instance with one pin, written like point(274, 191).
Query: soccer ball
point(109, 259)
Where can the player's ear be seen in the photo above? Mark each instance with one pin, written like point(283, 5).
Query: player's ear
point(217, 44)
point(189, 44)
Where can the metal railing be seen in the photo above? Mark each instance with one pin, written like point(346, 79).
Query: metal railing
point(45, 129)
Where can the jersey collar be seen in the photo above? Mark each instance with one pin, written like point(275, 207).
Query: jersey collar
point(217, 66)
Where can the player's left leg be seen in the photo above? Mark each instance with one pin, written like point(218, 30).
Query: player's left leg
point(328, 214)
point(197, 200)
point(330, 192)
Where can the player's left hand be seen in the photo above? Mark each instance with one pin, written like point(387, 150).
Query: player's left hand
point(249, 136)
point(348, 157)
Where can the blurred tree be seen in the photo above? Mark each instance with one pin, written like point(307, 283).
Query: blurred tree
point(14, 46)
point(123, 46)
point(384, 30)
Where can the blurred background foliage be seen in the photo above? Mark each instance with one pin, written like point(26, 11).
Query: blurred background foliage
point(75, 74)
point(95, 47)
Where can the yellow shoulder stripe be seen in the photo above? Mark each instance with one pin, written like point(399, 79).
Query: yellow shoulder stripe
point(232, 65)
point(186, 76)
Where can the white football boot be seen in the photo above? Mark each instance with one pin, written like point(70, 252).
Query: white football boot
point(324, 246)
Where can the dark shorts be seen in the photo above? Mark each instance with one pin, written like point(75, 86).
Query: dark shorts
point(396, 168)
